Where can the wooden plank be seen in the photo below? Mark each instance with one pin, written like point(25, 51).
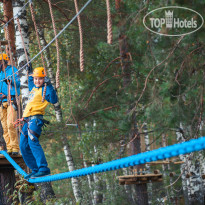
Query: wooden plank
point(17, 158)
point(140, 180)
point(138, 176)
point(179, 162)
point(158, 162)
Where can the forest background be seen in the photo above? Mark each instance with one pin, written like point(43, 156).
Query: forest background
point(143, 85)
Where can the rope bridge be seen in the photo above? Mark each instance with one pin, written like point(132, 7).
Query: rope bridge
point(142, 158)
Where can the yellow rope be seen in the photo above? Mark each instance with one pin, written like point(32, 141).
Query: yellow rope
point(12, 65)
point(57, 47)
point(109, 23)
point(81, 38)
point(39, 44)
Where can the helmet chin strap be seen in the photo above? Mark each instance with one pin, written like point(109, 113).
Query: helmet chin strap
point(5, 63)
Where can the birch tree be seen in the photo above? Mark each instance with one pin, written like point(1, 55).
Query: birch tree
point(59, 118)
point(19, 11)
point(191, 175)
point(147, 166)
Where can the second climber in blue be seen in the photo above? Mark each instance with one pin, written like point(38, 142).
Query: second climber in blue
point(30, 147)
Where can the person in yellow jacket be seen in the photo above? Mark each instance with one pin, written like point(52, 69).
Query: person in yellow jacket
point(30, 147)
point(8, 105)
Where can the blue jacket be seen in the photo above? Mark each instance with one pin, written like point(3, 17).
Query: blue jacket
point(4, 86)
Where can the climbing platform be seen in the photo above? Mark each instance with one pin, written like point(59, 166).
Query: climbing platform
point(17, 158)
point(140, 179)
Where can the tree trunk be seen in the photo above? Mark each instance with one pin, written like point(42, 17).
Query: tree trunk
point(147, 166)
point(135, 148)
point(135, 145)
point(7, 181)
point(183, 169)
point(17, 9)
point(193, 185)
point(164, 169)
point(59, 118)
point(8, 14)
point(89, 183)
point(98, 196)
point(46, 188)
point(71, 167)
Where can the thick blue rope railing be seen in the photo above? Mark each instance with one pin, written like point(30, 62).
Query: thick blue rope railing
point(142, 158)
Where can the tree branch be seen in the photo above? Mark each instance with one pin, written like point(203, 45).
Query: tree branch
point(145, 85)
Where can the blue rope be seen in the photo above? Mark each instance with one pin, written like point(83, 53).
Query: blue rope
point(142, 158)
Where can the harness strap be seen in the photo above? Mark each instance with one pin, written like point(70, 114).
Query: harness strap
point(33, 133)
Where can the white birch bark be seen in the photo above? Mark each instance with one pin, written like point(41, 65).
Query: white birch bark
point(183, 168)
point(164, 168)
point(58, 111)
point(89, 183)
point(96, 193)
point(71, 167)
point(192, 186)
point(147, 166)
point(17, 9)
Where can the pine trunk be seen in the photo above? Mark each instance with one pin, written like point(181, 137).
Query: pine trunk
point(8, 14)
point(135, 145)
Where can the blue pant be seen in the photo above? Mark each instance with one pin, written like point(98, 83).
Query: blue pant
point(30, 147)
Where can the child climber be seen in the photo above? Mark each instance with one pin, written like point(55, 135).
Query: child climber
point(30, 147)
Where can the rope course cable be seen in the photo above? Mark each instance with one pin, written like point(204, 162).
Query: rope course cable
point(142, 158)
point(57, 47)
point(81, 38)
point(68, 24)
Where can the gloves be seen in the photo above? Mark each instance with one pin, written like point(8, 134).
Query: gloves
point(29, 68)
point(47, 81)
point(6, 81)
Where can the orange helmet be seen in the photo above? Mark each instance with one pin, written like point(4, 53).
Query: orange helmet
point(4, 57)
point(39, 72)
